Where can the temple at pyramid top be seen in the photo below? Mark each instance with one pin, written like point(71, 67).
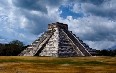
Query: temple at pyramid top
point(58, 41)
point(57, 25)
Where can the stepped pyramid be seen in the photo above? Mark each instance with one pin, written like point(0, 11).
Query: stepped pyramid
point(58, 41)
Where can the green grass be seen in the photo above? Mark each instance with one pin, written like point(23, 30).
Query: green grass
point(11, 64)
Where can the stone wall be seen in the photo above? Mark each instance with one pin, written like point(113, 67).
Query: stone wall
point(51, 48)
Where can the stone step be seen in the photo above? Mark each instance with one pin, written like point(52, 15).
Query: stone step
point(77, 43)
point(31, 50)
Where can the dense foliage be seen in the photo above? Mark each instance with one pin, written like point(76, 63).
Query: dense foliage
point(13, 48)
point(106, 52)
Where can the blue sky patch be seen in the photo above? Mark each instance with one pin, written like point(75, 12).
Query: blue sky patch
point(66, 11)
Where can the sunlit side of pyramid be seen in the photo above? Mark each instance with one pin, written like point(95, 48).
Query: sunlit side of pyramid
point(58, 41)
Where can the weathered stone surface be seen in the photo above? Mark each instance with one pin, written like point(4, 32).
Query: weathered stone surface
point(57, 42)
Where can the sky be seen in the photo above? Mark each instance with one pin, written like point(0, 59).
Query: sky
point(93, 21)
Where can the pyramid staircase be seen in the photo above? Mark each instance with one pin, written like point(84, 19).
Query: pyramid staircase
point(57, 42)
point(37, 44)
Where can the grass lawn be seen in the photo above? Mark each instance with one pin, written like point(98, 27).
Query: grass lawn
point(17, 64)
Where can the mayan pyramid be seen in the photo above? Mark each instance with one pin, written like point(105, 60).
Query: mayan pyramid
point(58, 41)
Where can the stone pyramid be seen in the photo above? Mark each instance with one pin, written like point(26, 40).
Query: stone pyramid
point(58, 41)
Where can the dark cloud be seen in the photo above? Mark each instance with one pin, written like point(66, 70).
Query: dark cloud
point(1, 37)
point(31, 5)
point(37, 5)
point(54, 3)
point(37, 24)
point(2, 3)
point(95, 2)
point(100, 34)
point(111, 14)
point(101, 10)
point(37, 21)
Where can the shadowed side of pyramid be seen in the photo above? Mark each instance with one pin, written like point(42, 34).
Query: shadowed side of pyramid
point(58, 41)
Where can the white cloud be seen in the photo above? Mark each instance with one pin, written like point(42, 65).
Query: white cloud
point(77, 8)
point(100, 44)
point(93, 28)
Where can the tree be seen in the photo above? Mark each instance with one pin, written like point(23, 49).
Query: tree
point(13, 48)
point(17, 42)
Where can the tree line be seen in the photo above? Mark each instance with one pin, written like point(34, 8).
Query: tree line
point(12, 48)
point(106, 52)
point(15, 47)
